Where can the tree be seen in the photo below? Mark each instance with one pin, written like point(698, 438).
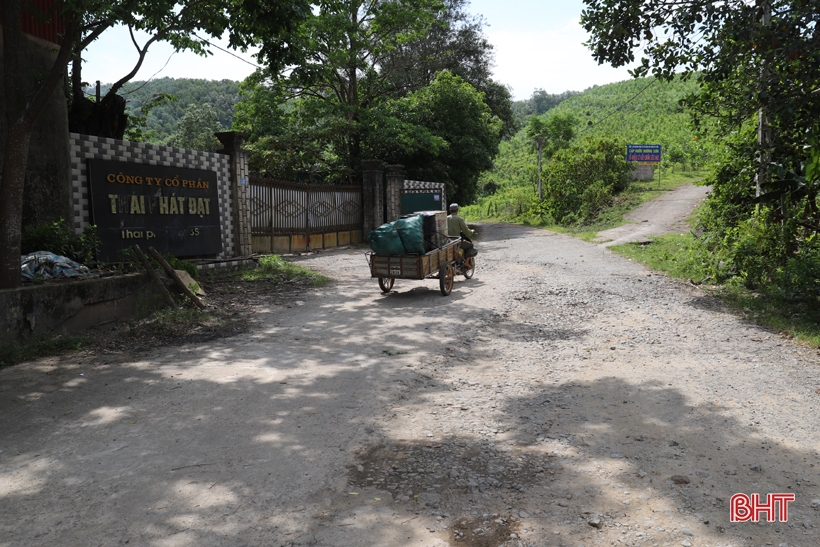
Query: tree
point(359, 54)
point(186, 25)
point(550, 135)
point(84, 20)
point(757, 64)
point(22, 107)
point(342, 44)
point(455, 42)
point(196, 129)
point(450, 136)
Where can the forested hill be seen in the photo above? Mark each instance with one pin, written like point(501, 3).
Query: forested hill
point(634, 111)
point(222, 95)
point(644, 111)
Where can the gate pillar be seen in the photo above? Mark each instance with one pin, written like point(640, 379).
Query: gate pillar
point(395, 181)
point(240, 190)
point(372, 195)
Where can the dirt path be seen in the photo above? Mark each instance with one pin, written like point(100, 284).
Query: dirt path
point(663, 215)
point(549, 401)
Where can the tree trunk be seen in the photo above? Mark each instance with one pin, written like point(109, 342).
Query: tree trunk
point(11, 202)
point(22, 108)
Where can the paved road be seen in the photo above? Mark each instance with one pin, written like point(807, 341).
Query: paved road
point(664, 215)
point(549, 401)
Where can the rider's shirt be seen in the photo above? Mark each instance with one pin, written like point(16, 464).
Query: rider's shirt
point(456, 225)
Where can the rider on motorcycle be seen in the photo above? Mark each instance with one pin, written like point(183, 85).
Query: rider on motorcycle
point(456, 227)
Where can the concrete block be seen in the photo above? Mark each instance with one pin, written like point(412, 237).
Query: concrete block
point(36, 311)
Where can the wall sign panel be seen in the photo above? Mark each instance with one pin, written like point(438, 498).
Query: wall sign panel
point(175, 210)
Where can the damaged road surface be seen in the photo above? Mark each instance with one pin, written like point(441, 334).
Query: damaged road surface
point(564, 396)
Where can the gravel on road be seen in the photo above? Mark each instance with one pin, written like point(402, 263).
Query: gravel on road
point(564, 396)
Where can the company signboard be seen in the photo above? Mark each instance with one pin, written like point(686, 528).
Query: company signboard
point(643, 153)
point(172, 209)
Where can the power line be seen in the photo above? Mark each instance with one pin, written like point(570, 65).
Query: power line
point(226, 51)
point(635, 96)
point(152, 76)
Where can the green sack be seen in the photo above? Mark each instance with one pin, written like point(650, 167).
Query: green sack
point(411, 232)
point(385, 240)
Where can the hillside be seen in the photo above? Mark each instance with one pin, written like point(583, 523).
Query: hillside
point(222, 95)
point(634, 111)
point(639, 111)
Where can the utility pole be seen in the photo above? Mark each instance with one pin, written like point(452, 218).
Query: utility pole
point(540, 141)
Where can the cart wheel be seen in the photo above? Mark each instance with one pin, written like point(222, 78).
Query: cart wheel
point(469, 267)
point(386, 283)
point(445, 278)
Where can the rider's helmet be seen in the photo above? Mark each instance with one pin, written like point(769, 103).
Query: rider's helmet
point(453, 208)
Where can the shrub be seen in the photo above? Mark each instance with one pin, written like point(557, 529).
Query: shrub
point(60, 239)
point(580, 181)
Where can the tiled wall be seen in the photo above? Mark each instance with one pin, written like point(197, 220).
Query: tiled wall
point(84, 147)
point(422, 187)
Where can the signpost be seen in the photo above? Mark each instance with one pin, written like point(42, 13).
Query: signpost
point(173, 209)
point(645, 154)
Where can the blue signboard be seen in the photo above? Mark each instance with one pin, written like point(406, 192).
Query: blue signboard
point(643, 153)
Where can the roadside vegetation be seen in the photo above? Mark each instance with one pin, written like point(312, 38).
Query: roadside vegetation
point(686, 257)
point(274, 269)
point(756, 236)
point(585, 183)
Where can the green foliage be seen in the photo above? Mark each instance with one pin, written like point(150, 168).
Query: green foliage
point(184, 265)
point(628, 112)
point(579, 182)
point(553, 132)
point(138, 130)
point(162, 116)
point(274, 268)
point(680, 255)
point(444, 133)
point(582, 180)
point(455, 42)
point(60, 239)
point(753, 58)
point(371, 83)
point(196, 129)
point(642, 111)
point(540, 102)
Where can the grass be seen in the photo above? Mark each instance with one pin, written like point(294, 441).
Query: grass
point(172, 322)
point(636, 194)
point(682, 257)
point(273, 268)
point(679, 255)
point(12, 353)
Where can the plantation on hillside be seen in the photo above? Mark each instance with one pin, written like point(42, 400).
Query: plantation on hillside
point(635, 111)
point(643, 111)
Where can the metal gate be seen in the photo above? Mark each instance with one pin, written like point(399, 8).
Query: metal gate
point(286, 208)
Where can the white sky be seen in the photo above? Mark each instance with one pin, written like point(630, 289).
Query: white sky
point(538, 44)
